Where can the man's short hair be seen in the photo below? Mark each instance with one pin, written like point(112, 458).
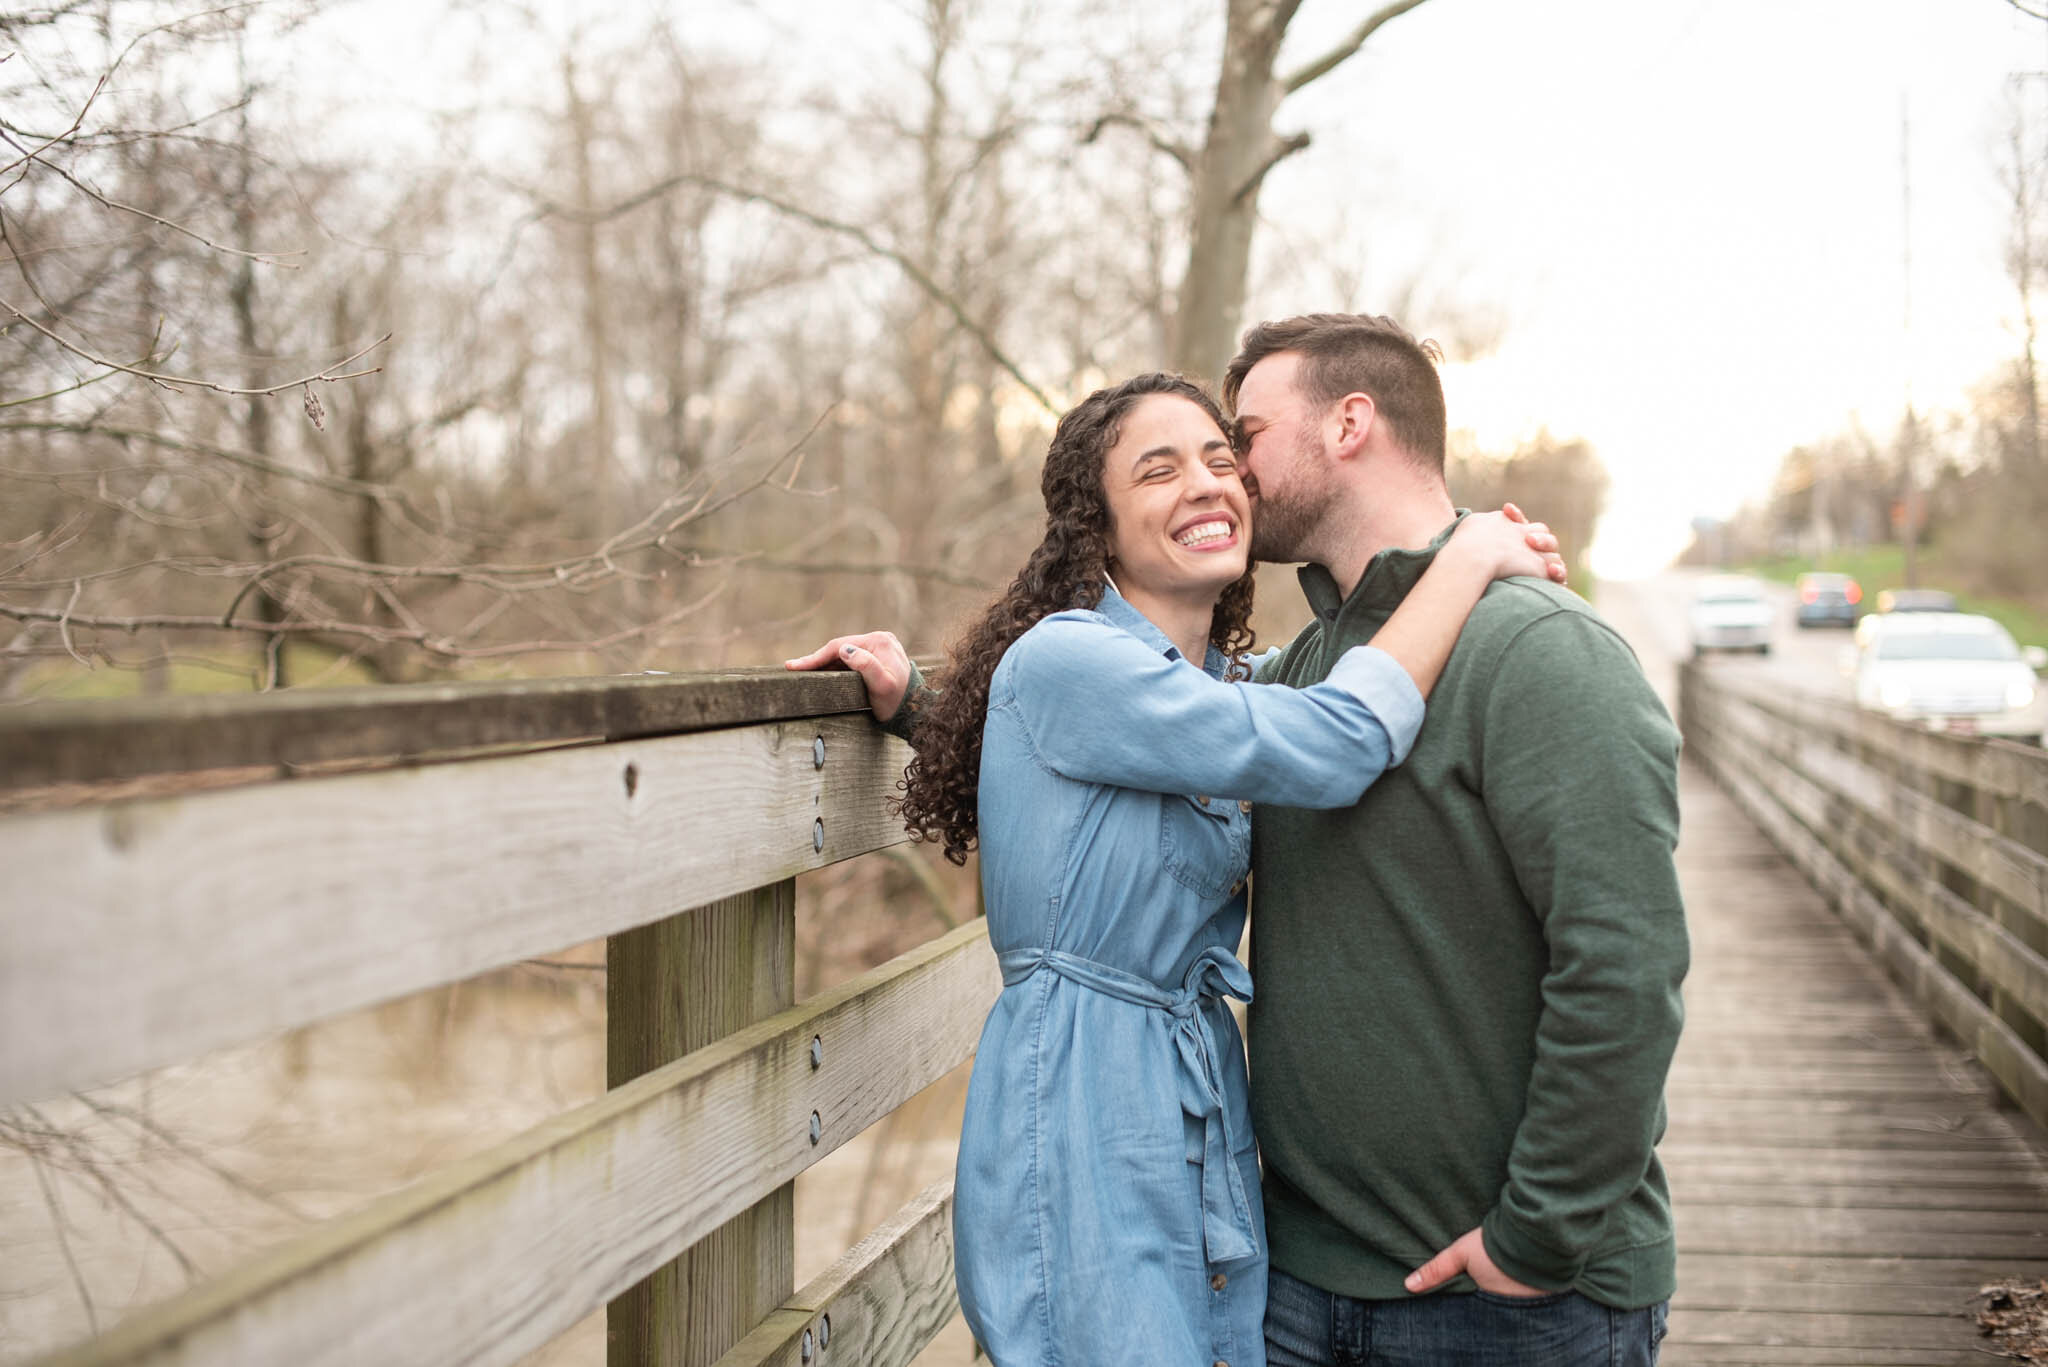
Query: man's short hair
point(1345, 353)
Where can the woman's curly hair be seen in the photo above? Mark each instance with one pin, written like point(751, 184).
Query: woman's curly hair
point(940, 799)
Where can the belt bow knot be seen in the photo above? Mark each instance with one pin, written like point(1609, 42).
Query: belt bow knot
point(1228, 1231)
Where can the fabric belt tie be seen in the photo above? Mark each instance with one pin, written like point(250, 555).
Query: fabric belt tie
point(1228, 1231)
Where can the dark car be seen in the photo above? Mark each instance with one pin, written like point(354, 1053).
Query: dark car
point(1827, 600)
point(1915, 600)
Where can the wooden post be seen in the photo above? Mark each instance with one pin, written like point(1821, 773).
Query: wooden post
point(2001, 816)
point(675, 986)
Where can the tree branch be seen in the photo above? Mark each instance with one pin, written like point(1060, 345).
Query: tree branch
point(89, 1167)
point(308, 614)
point(918, 276)
point(578, 573)
point(1347, 48)
point(55, 138)
point(153, 1129)
point(386, 496)
point(328, 375)
point(36, 158)
point(58, 1223)
point(67, 389)
point(444, 646)
point(938, 574)
point(1179, 151)
point(1282, 150)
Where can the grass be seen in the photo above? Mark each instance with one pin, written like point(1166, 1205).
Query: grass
point(1882, 566)
point(236, 673)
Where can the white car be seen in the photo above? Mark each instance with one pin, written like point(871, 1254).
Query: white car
point(1730, 612)
point(1953, 670)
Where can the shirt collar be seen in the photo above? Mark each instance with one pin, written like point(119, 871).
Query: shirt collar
point(1120, 613)
point(1387, 579)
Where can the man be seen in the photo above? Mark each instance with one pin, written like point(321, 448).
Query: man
point(1468, 982)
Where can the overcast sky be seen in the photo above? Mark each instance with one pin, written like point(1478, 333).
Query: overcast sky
point(1686, 214)
point(1690, 214)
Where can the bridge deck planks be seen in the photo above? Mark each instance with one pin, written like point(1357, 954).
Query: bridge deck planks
point(1844, 1180)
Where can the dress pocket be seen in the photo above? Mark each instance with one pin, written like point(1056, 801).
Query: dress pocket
point(1204, 842)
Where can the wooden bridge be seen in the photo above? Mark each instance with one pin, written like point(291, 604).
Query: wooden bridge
point(185, 874)
point(1856, 1142)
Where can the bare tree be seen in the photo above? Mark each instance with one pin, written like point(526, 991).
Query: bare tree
point(1563, 477)
point(1228, 170)
point(2023, 174)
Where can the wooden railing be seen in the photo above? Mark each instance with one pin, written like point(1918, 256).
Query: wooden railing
point(182, 874)
point(1933, 847)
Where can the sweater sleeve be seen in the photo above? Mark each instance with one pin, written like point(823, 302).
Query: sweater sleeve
point(916, 694)
point(1101, 706)
point(1579, 771)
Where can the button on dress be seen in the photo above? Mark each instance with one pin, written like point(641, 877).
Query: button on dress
point(1106, 1205)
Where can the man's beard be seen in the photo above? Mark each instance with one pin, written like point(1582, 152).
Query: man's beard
point(1284, 524)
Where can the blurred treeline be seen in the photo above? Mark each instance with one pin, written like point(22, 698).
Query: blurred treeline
point(1559, 480)
point(1963, 493)
point(344, 341)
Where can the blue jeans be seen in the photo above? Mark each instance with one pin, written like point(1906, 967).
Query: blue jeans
point(1308, 1327)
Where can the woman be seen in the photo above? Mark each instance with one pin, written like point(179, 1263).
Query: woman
point(1088, 738)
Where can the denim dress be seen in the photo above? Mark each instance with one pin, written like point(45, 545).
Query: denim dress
point(1107, 1197)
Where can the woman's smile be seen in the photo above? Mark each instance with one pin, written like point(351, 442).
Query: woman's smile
point(1178, 508)
point(1208, 534)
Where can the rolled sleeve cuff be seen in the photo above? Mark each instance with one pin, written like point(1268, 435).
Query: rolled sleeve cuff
point(903, 725)
point(1527, 1259)
point(1376, 679)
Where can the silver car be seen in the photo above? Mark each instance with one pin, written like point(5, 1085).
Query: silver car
point(1730, 612)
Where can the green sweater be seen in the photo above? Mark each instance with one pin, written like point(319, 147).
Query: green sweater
point(1468, 983)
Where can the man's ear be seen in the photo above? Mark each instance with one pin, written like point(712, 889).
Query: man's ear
point(1353, 418)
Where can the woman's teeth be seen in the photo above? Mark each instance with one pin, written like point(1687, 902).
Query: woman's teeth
point(1204, 533)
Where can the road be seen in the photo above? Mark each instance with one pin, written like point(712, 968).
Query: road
point(1651, 613)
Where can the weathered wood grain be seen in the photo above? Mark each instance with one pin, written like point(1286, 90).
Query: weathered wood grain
point(1790, 808)
point(1796, 1351)
point(1746, 1277)
point(2006, 769)
point(1823, 1331)
point(150, 932)
point(488, 1259)
point(1912, 819)
point(1999, 1199)
point(1832, 1123)
point(1955, 1178)
point(2019, 1070)
point(1994, 952)
point(1842, 1181)
point(90, 742)
point(672, 987)
point(1867, 1231)
point(878, 1305)
point(1733, 1079)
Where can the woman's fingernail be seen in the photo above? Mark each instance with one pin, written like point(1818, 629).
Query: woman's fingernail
point(846, 650)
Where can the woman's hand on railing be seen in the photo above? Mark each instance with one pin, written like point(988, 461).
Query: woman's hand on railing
point(877, 656)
